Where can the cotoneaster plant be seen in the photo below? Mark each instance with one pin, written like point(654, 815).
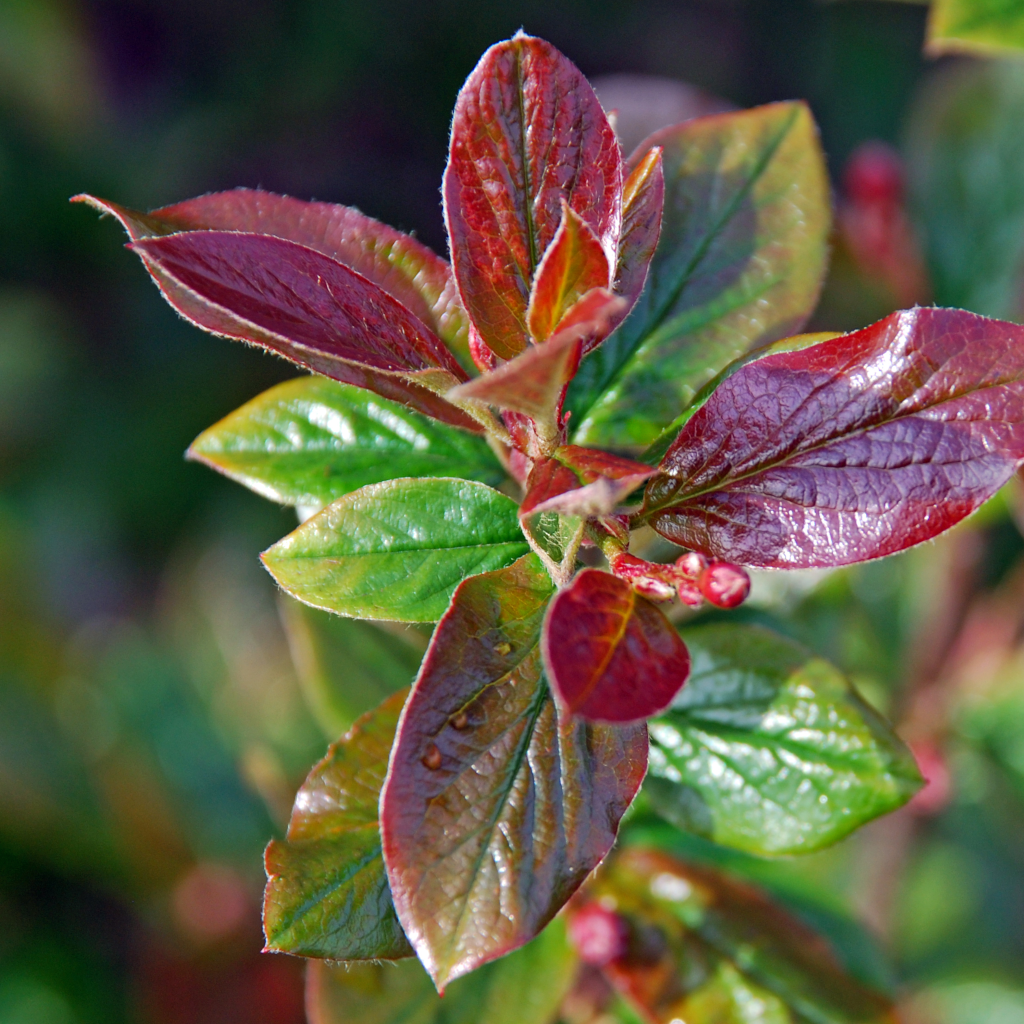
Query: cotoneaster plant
point(603, 355)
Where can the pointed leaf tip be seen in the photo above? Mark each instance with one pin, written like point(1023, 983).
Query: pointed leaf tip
point(525, 114)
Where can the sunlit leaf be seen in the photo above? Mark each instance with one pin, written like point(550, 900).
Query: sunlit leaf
point(309, 441)
point(524, 116)
point(739, 263)
point(575, 262)
point(402, 266)
point(611, 655)
point(526, 987)
point(707, 949)
point(850, 449)
point(495, 810)
point(986, 27)
point(769, 750)
point(397, 550)
point(327, 891)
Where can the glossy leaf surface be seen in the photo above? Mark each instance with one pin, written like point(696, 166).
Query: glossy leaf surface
point(769, 750)
point(739, 264)
point(532, 383)
point(850, 449)
point(574, 263)
point(643, 199)
point(405, 268)
point(526, 987)
point(327, 891)
point(495, 810)
point(708, 949)
point(312, 310)
point(346, 667)
point(984, 27)
point(309, 441)
point(528, 132)
point(397, 550)
point(611, 655)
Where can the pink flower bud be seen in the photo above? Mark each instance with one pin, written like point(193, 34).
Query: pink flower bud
point(725, 585)
point(599, 935)
point(692, 564)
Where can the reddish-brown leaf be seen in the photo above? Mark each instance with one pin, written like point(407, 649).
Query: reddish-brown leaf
point(534, 382)
point(496, 807)
point(610, 654)
point(528, 132)
point(582, 482)
point(405, 268)
point(309, 308)
point(574, 263)
point(643, 198)
point(850, 449)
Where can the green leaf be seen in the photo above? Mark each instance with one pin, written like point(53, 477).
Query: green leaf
point(311, 440)
point(327, 891)
point(397, 550)
point(711, 950)
point(526, 987)
point(497, 805)
point(739, 264)
point(982, 27)
point(346, 666)
point(965, 164)
point(769, 750)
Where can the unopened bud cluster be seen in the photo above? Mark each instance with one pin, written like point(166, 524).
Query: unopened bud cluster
point(692, 578)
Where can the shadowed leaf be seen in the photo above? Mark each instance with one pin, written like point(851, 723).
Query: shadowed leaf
point(575, 262)
point(346, 667)
point(495, 810)
point(581, 481)
point(769, 750)
point(397, 550)
point(525, 115)
point(526, 987)
point(708, 949)
point(850, 449)
point(327, 891)
point(309, 441)
point(405, 268)
point(611, 655)
point(739, 264)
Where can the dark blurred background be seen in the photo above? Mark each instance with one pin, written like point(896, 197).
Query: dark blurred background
point(153, 727)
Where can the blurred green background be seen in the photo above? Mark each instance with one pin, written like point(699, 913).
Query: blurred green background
point(158, 706)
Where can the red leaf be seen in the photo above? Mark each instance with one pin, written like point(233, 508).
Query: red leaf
point(528, 132)
point(575, 262)
point(643, 198)
point(496, 807)
point(534, 382)
point(405, 268)
point(582, 481)
point(308, 308)
point(611, 655)
point(548, 480)
point(854, 448)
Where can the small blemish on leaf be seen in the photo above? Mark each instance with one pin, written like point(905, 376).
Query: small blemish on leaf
point(432, 757)
point(460, 721)
point(502, 648)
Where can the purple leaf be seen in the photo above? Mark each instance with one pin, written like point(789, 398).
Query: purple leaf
point(850, 449)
